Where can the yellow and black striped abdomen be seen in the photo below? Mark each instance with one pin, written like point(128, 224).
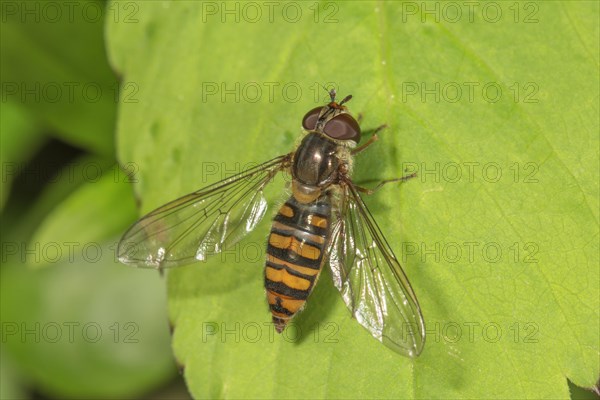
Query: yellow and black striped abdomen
point(295, 256)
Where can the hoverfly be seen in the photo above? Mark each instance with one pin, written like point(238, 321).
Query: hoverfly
point(325, 218)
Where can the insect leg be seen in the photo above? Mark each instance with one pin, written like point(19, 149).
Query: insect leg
point(374, 137)
point(380, 184)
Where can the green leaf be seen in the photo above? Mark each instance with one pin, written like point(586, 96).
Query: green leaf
point(499, 120)
point(21, 136)
point(11, 383)
point(21, 219)
point(578, 393)
point(101, 208)
point(87, 328)
point(53, 62)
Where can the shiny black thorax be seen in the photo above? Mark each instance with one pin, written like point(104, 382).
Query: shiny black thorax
point(315, 161)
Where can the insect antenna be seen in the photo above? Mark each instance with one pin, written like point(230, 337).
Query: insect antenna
point(331, 92)
point(346, 99)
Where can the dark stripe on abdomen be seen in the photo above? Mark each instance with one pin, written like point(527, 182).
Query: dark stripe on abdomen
point(305, 227)
point(292, 257)
point(285, 290)
point(304, 215)
point(291, 271)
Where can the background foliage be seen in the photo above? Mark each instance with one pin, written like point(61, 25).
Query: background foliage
point(75, 324)
point(524, 141)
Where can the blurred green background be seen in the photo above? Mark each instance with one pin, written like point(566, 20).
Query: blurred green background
point(76, 324)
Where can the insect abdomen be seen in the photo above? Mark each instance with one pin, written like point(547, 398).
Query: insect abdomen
point(295, 256)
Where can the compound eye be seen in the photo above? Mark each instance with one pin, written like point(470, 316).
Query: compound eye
point(309, 122)
point(343, 127)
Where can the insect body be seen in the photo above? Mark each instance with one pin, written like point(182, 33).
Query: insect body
point(324, 221)
point(295, 251)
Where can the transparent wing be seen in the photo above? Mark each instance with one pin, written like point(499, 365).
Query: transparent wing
point(202, 223)
point(371, 280)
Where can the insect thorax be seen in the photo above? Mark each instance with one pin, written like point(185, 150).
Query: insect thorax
point(315, 165)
